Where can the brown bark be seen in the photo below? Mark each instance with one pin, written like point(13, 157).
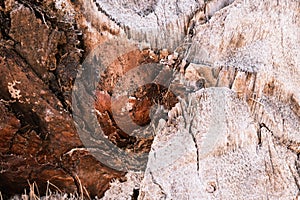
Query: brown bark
point(39, 56)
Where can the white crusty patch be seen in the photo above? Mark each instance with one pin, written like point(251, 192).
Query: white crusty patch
point(14, 93)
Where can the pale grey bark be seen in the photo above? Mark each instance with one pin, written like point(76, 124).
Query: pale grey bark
point(239, 137)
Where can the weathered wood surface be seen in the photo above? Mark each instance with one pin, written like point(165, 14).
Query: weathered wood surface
point(239, 137)
point(234, 135)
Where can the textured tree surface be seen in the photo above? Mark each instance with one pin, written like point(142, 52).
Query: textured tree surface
point(227, 71)
point(40, 52)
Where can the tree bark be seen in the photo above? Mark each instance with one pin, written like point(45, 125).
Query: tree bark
point(79, 79)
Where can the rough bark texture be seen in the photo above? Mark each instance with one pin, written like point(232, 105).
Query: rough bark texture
point(239, 137)
point(39, 55)
point(227, 70)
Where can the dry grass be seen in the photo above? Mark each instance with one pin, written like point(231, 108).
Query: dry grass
point(34, 193)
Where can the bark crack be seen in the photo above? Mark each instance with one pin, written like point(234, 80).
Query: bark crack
point(157, 18)
point(156, 183)
point(100, 9)
point(195, 143)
